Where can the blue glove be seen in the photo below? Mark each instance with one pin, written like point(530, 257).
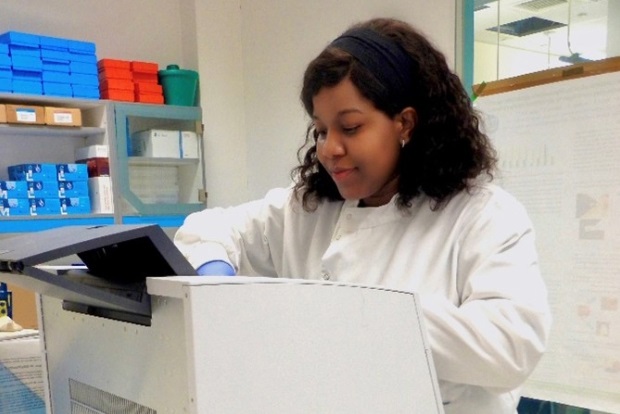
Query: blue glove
point(216, 268)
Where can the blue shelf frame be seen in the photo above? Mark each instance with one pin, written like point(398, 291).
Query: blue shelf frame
point(29, 224)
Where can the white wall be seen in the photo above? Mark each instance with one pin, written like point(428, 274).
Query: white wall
point(146, 30)
point(268, 45)
point(250, 55)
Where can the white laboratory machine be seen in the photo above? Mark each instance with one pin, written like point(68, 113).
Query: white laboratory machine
point(224, 345)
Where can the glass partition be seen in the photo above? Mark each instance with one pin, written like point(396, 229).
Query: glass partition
point(517, 37)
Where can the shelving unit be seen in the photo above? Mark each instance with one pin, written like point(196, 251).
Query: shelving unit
point(145, 190)
point(111, 124)
point(52, 144)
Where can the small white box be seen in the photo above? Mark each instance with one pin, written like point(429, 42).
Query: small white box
point(100, 193)
point(91, 151)
point(156, 143)
point(161, 143)
point(190, 147)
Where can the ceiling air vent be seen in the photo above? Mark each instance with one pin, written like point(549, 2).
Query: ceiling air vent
point(538, 5)
point(527, 26)
point(482, 4)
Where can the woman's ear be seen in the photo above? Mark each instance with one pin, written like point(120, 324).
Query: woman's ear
point(407, 119)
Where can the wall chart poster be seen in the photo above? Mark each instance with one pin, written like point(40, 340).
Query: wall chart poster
point(559, 150)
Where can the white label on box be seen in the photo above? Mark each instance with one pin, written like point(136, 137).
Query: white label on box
point(63, 117)
point(26, 115)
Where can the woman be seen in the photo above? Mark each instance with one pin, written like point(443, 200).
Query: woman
point(393, 189)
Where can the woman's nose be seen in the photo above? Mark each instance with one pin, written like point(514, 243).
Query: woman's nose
point(332, 145)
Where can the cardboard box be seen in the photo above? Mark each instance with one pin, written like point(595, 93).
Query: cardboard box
point(24, 307)
point(63, 116)
point(25, 114)
point(2, 114)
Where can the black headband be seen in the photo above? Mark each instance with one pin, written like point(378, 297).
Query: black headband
point(382, 56)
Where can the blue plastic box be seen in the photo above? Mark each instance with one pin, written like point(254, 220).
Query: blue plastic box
point(86, 68)
point(72, 172)
point(32, 172)
point(6, 84)
point(5, 61)
point(20, 38)
point(55, 65)
point(27, 63)
point(4, 48)
point(84, 58)
point(26, 75)
point(54, 43)
point(57, 89)
point(27, 51)
point(75, 205)
point(30, 87)
point(59, 77)
point(80, 46)
point(84, 91)
point(85, 79)
point(64, 56)
point(13, 189)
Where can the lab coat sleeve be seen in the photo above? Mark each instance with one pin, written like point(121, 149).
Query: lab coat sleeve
point(235, 235)
point(498, 332)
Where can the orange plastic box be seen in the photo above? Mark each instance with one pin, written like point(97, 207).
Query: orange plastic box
point(150, 98)
point(144, 67)
point(117, 95)
point(148, 87)
point(104, 64)
point(123, 84)
point(114, 73)
point(140, 77)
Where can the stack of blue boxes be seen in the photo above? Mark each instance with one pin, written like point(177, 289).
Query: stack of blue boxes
point(42, 189)
point(45, 65)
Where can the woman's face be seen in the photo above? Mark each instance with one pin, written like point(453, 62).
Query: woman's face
point(357, 144)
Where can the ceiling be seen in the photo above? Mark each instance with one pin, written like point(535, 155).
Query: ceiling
point(558, 27)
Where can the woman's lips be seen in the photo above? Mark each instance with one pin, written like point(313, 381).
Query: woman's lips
point(340, 174)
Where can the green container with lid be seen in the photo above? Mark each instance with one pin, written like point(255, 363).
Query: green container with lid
point(180, 85)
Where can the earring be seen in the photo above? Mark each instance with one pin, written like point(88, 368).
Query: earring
point(402, 143)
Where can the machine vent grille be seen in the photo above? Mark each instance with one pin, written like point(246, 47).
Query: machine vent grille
point(538, 5)
point(86, 399)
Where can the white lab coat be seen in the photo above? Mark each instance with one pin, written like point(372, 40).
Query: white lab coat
point(474, 263)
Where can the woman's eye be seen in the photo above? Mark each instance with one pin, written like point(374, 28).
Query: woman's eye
point(319, 134)
point(350, 130)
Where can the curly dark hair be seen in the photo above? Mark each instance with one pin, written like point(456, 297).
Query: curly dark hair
point(447, 149)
